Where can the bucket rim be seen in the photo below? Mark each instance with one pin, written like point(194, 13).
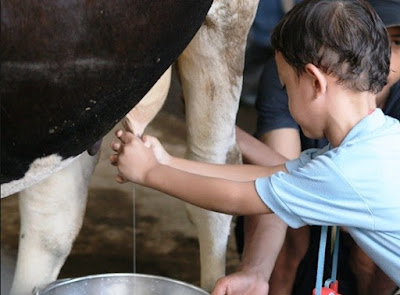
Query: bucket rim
point(66, 281)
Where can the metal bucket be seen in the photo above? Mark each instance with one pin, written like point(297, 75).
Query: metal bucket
point(120, 284)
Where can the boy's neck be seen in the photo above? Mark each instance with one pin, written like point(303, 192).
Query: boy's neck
point(347, 109)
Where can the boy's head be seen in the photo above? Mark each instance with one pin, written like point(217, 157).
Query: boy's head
point(344, 38)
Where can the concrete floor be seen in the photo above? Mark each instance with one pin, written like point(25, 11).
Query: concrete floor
point(129, 228)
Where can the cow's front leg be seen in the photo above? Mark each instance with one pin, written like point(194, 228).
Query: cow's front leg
point(51, 216)
point(211, 70)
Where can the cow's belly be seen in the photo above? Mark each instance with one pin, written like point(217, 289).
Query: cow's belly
point(62, 109)
point(71, 70)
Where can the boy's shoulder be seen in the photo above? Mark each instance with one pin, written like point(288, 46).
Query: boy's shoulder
point(371, 150)
point(377, 135)
point(374, 127)
point(374, 139)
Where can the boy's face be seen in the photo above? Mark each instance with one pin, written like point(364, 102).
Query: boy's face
point(300, 93)
point(394, 75)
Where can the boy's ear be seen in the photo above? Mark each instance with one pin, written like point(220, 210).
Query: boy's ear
point(318, 77)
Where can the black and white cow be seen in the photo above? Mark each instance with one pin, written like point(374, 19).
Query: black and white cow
point(71, 69)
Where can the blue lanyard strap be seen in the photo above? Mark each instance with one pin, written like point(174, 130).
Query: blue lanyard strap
point(335, 259)
point(321, 260)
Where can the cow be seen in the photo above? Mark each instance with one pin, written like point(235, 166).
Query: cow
point(72, 69)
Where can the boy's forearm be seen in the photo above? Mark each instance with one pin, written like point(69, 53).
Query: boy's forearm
point(264, 237)
point(210, 193)
point(232, 172)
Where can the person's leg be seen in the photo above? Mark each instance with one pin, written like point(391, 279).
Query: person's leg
point(255, 57)
point(371, 280)
point(292, 253)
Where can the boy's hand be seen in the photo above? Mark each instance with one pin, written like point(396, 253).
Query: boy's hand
point(133, 158)
point(241, 283)
point(159, 152)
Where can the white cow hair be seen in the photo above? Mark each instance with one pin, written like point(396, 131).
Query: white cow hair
point(39, 169)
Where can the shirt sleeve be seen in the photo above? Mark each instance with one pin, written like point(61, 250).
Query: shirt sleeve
point(314, 192)
point(305, 157)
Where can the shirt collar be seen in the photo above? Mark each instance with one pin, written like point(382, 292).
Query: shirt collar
point(366, 126)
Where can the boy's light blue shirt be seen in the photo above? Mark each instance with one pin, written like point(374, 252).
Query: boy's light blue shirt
point(355, 185)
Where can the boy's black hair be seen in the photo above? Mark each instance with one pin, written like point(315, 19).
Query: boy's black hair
point(344, 38)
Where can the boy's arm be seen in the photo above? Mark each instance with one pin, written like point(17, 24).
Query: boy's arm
point(216, 194)
point(231, 185)
point(263, 240)
point(273, 161)
point(264, 161)
point(241, 173)
point(263, 234)
point(224, 188)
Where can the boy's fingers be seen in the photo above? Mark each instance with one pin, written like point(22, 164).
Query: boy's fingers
point(124, 136)
point(118, 133)
point(120, 179)
point(149, 141)
point(145, 137)
point(114, 159)
point(219, 291)
point(115, 146)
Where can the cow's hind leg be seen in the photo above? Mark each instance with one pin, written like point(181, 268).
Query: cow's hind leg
point(211, 70)
point(51, 217)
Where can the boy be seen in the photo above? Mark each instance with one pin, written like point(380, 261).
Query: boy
point(332, 74)
point(294, 274)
